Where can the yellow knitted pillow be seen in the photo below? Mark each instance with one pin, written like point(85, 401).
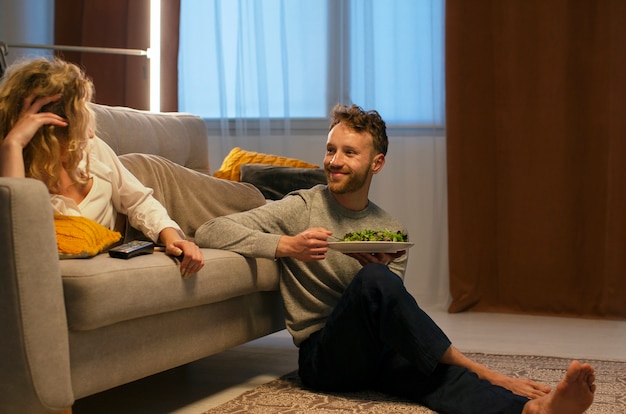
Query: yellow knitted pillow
point(233, 161)
point(80, 237)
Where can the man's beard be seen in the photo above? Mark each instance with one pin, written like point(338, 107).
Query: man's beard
point(350, 183)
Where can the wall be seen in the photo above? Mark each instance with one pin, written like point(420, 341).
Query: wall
point(26, 21)
point(119, 80)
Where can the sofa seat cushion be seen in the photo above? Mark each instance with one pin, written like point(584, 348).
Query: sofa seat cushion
point(101, 291)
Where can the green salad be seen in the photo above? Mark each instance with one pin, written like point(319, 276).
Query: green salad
point(376, 235)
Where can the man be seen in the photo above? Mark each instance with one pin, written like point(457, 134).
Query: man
point(354, 322)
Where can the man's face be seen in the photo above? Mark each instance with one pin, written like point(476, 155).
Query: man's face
point(350, 161)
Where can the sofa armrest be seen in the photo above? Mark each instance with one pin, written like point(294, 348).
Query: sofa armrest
point(34, 348)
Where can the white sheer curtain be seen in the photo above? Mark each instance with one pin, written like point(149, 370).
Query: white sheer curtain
point(265, 74)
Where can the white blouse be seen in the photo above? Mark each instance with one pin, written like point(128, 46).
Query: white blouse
point(115, 190)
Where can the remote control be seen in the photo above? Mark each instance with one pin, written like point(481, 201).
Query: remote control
point(132, 249)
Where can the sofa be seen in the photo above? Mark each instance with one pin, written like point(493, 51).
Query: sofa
point(73, 328)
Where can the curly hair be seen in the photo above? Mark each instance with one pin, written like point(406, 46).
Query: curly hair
point(355, 118)
point(51, 147)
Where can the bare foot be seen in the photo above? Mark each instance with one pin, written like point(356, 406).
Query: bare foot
point(573, 395)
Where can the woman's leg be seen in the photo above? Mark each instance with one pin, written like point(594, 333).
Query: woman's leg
point(190, 197)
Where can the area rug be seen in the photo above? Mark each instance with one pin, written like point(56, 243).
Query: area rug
point(287, 395)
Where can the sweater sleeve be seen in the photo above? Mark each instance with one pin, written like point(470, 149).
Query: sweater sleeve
point(255, 233)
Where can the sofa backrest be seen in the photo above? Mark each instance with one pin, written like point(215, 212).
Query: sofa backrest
point(177, 136)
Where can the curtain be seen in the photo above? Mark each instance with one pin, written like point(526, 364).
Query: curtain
point(536, 153)
point(120, 80)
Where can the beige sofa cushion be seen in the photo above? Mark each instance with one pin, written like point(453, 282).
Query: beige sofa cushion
point(102, 290)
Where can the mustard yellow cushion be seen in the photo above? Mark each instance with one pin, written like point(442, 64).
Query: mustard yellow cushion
point(237, 157)
point(80, 237)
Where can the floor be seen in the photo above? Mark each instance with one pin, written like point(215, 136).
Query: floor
point(196, 387)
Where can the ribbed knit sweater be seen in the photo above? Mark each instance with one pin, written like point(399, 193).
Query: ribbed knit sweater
point(311, 290)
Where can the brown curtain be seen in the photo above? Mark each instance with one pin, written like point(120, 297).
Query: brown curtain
point(536, 138)
point(120, 80)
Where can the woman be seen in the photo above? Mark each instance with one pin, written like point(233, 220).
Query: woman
point(47, 133)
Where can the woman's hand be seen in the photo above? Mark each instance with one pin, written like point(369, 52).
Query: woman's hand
point(191, 258)
point(20, 135)
point(31, 119)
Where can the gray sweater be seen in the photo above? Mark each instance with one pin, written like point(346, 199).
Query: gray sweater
point(310, 291)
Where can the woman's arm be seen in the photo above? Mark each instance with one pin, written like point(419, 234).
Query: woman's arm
point(132, 198)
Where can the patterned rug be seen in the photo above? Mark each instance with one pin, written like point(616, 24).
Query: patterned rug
point(288, 395)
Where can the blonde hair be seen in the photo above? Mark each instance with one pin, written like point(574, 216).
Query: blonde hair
point(51, 147)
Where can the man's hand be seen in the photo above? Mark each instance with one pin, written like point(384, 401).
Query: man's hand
point(308, 246)
point(384, 258)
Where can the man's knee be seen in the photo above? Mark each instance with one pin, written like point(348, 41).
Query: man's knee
point(376, 276)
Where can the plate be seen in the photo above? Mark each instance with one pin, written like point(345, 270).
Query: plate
point(369, 246)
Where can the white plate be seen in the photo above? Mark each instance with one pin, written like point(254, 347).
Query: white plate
point(369, 246)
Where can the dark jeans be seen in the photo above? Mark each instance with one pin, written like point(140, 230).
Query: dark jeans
point(378, 338)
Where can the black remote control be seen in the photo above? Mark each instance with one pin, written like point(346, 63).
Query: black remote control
point(132, 249)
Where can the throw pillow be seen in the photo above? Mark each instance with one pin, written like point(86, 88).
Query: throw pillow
point(79, 237)
point(275, 181)
point(230, 168)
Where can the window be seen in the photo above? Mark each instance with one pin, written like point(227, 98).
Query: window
point(248, 59)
